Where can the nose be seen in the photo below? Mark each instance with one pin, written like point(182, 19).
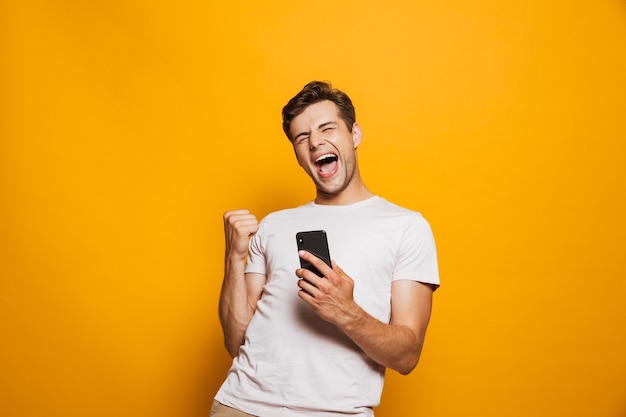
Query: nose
point(316, 139)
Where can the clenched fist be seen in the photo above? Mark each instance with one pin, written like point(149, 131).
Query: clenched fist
point(239, 226)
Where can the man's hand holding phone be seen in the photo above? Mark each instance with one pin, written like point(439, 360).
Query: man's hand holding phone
point(330, 295)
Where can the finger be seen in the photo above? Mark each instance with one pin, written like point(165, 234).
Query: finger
point(336, 267)
point(231, 213)
point(311, 277)
point(238, 215)
point(307, 290)
point(315, 261)
point(241, 219)
point(246, 224)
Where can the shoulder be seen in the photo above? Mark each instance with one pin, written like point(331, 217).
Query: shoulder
point(395, 210)
point(286, 215)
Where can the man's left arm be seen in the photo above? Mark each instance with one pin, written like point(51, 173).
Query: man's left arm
point(396, 345)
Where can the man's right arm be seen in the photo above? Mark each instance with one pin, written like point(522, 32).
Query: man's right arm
point(240, 292)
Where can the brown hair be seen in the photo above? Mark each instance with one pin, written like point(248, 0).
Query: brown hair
point(312, 93)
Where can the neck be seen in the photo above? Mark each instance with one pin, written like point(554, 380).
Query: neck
point(352, 194)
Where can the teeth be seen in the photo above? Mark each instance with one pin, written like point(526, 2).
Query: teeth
point(322, 157)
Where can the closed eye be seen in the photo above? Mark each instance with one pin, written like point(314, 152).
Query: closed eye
point(301, 139)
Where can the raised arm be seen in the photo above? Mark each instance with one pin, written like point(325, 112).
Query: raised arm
point(397, 345)
point(240, 292)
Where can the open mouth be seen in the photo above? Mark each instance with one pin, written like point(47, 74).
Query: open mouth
point(326, 164)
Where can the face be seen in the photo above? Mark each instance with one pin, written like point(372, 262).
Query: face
point(326, 149)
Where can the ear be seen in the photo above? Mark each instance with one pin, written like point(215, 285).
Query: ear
point(357, 135)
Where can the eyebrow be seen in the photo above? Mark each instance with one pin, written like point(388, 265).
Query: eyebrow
point(320, 127)
point(323, 125)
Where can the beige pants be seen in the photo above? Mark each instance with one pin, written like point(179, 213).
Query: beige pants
point(221, 410)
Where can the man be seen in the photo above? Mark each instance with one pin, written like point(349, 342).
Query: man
point(304, 345)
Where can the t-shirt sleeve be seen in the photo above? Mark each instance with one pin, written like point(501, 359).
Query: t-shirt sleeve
point(417, 256)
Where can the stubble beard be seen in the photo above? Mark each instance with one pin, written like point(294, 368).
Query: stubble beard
point(336, 187)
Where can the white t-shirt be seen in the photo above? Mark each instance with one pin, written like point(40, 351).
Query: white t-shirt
point(293, 363)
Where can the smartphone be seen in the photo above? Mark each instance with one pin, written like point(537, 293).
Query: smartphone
point(313, 241)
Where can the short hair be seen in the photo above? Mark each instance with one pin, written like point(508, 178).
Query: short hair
point(312, 93)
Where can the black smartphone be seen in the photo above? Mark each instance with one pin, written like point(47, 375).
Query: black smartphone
point(313, 241)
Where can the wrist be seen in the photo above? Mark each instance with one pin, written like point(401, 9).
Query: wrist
point(354, 319)
point(233, 255)
point(234, 263)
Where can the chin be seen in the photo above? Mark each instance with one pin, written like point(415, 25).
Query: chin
point(330, 191)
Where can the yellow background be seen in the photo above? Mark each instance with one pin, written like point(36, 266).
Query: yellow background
point(128, 127)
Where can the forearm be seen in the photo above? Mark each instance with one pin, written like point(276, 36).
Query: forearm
point(393, 346)
point(235, 310)
point(397, 345)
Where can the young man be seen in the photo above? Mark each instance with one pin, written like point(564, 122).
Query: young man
point(304, 345)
